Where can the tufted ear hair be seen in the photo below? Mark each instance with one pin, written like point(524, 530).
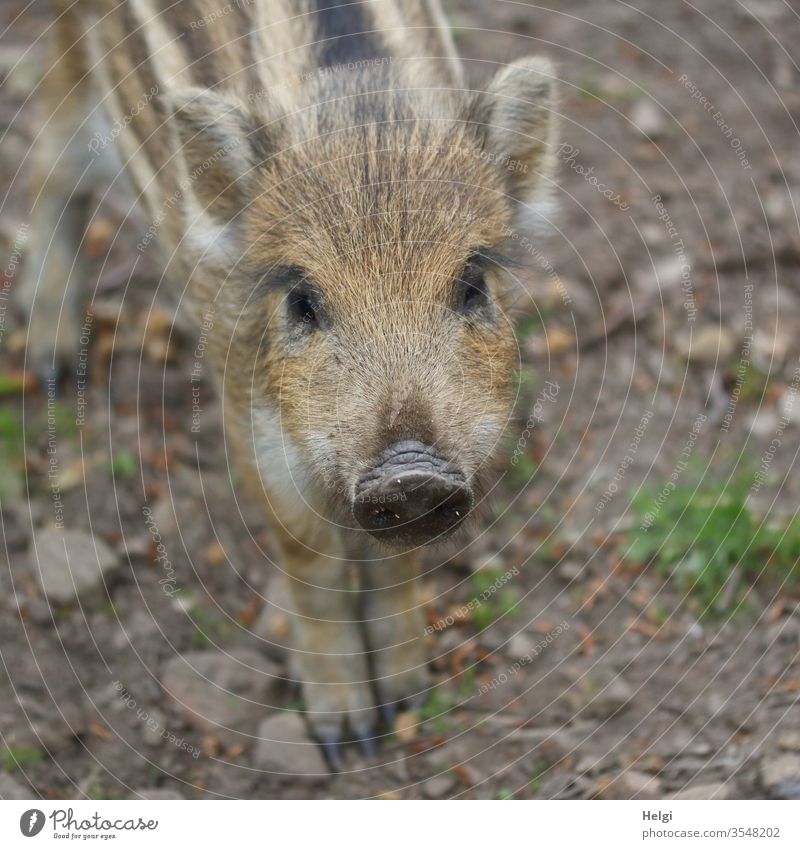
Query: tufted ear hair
point(516, 121)
point(222, 147)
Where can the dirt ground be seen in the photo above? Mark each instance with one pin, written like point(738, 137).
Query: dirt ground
point(674, 258)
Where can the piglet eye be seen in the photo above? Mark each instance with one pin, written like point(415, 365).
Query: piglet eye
point(472, 291)
point(303, 308)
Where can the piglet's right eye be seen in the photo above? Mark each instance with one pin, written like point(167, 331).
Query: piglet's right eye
point(303, 309)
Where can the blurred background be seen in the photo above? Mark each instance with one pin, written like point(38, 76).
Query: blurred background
point(626, 623)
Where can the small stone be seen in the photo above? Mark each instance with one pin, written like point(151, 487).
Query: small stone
point(285, 747)
point(695, 632)
point(222, 694)
point(559, 341)
point(55, 728)
point(153, 729)
point(780, 776)
point(663, 276)
point(652, 233)
point(136, 630)
point(215, 554)
point(763, 422)
point(12, 789)
point(520, 646)
point(36, 610)
point(682, 740)
point(135, 546)
point(783, 70)
point(157, 350)
point(405, 726)
point(595, 762)
point(769, 349)
point(710, 345)
point(155, 794)
point(610, 699)
point(439, 786)
point(789, 789)
point(630, 784)
point(705, 791)
point(787, 408)
point(777, 207)
point(69, 564)
point(790, 741)
point(767, 12)
point(649, 118)
point(570, 570)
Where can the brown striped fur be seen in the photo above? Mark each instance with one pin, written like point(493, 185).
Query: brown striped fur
point(339, 140)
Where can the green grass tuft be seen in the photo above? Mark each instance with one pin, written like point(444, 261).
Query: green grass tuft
point(705, 537)
point(20, 757)
point(123, 464)
point(500, 602)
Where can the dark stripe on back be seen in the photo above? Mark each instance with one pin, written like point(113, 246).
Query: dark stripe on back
point(342, 30)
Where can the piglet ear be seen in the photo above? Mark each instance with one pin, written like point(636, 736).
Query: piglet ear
point(222, 148)
point(516, 120)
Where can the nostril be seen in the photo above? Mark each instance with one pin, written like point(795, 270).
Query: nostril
point(383, 518)
point(447, 513)
point(412, 495)
point(412, 507)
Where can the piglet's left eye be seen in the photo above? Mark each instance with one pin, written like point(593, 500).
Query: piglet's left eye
point(472, 291)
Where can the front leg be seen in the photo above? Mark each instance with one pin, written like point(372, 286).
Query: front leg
point(328, 648)
point(395, 627)
point(328, 656)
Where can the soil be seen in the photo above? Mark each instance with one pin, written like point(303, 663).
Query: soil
point(673, 259)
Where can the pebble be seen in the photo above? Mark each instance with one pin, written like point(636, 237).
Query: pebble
point(649, 118)
point(790, 741)
point(780, 776)
point(664, 275)
point(770, 349)
point(682, 740)
point(439, 786)
point(764, 422)
point(570, 570)
point(285, 747)
point(406, 726)
point(705, 791)
point(138, 629)
point(223, 694)
point(710, 345)
point(520, 646)
point(152, 731)
point(154, 794)
point(767, 12)
point(69, 564)
point(55, 708)
point(652, 233)
point(629, 784)
point(10, 788)
point(609, 700)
